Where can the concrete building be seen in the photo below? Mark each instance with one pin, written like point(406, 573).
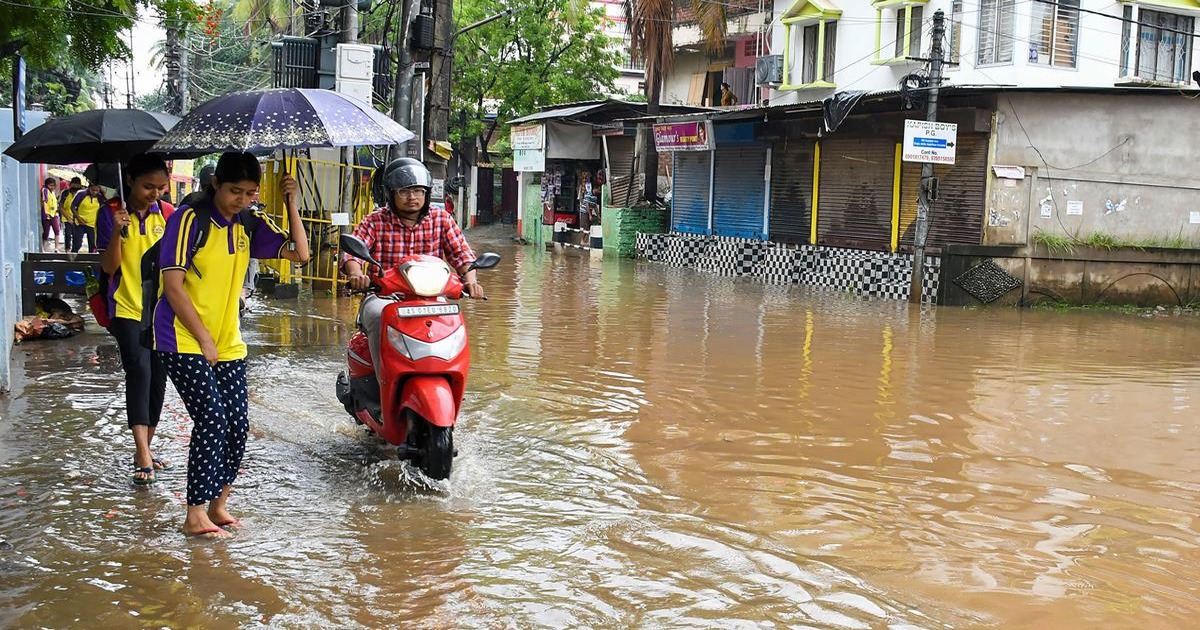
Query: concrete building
point(632, 72)
point(867, 45)
point(1041, 175)
point(20, 232)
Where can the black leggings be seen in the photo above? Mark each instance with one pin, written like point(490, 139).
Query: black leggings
point(145, 377)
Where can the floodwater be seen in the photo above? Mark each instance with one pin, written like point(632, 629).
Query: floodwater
point(644, 447)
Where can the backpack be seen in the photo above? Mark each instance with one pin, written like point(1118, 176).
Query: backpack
point(152, 272)
point(99, 302)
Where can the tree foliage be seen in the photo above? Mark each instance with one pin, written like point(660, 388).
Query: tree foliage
point(547, 52)
point(53, 33)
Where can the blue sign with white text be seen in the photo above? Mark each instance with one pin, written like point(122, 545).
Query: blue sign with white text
point(930, 143)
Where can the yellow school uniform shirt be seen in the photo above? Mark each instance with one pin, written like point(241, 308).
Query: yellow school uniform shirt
point(49, 203)
point(125, 286)
point(86, 213)
point(213, 279)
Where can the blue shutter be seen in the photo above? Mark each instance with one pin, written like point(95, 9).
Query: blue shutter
point(738, 192)
point(689, 192)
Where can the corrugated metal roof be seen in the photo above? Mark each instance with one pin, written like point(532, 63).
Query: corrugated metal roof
point(948, 90)
point(574, 110)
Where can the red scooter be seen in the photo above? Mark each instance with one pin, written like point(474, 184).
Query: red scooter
point(412, 399)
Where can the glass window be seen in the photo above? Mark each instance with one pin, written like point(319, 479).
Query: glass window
point(1054, 34)
point(1164, 51)
point(811, 34)
point(997, 21)
point(914, 35)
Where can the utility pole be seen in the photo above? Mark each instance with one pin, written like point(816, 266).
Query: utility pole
point(402, 101)
point(438, 125)
point(173, 59)
point(349, 36)
point(927, 192)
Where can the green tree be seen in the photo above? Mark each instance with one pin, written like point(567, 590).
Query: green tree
point(53, 33)
point(546, 52)
point(651, 25)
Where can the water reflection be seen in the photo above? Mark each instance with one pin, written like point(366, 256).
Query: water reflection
point(645, 447)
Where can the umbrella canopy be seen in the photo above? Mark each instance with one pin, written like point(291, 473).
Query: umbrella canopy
point(99, 135)
point(283, 118)
point(104, 174)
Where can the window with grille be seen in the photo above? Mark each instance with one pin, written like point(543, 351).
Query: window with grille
point(811, 34)
point(1164, 46)
point(997, 21)
point(1054, 34)
point(914, 33)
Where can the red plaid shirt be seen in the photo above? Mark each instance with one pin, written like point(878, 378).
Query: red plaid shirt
point(389, 240)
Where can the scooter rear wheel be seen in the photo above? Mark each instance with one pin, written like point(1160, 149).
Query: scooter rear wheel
point(438, 452)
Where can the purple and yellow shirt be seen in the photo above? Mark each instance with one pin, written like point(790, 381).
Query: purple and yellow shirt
point(125, 285)
point(213, 278)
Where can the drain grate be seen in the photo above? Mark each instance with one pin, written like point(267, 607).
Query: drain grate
point(987, 282)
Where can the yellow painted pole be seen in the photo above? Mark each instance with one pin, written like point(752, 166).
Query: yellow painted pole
point(812, 233)
point(896, 200)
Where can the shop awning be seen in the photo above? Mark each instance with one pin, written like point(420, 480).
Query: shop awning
point(560, 112)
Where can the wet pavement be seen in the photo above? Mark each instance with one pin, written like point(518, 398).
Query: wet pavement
point(643, 447)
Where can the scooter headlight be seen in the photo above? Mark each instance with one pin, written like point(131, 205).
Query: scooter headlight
point(427, 278)
point(415, 349)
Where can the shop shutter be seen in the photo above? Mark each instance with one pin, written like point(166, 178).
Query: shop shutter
point(791, 191)
point(620, 173)
point(957, 216)
point(689, 192)
point(854, 203)
point(740, 173)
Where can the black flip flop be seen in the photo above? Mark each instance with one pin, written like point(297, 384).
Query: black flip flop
point(143, 481)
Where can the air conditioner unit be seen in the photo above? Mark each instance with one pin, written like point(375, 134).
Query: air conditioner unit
point(768, 70)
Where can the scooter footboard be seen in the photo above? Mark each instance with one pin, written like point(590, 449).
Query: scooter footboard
point(432, 398)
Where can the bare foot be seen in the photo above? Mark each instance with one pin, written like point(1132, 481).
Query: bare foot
point(221, 517)
point(198, 524)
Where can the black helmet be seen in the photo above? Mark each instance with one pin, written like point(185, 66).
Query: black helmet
point(405, 173)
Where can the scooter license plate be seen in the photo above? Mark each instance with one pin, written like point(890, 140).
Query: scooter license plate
point(432, 310)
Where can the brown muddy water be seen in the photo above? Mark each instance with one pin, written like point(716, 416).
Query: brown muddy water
point(643, 447)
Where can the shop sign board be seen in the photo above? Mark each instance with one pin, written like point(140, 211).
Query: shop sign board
point(528, 137)
point(686, 136)
point(927, 141)
point(529, 160)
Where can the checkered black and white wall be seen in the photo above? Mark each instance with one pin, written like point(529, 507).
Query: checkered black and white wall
point(864, 273)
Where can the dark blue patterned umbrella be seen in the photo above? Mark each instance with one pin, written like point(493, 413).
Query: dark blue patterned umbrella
point(284, 118)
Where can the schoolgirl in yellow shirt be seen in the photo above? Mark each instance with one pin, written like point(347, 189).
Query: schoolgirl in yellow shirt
point(124, 233)
point(197, 332)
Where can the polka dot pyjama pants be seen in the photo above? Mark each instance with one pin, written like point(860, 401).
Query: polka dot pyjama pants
point(215, 398)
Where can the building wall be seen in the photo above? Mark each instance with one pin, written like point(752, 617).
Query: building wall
point(1095, 165)
point(1098, 60)
point(676, 85)
point(20, 232)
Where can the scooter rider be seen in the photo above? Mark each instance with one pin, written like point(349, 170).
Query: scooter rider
point(406, 226)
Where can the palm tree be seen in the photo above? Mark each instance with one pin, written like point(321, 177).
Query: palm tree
point(651, 25)
point(274, 16)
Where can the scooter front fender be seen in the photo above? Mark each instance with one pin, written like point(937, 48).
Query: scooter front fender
point(432, 398)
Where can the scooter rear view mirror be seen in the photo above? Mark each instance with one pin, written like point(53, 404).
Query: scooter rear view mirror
point(357, 248)
point(486, 261)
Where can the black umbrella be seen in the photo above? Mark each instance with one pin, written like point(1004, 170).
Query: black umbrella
point(103, 174)
point(99, 135)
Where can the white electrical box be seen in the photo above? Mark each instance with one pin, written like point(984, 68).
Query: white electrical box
point(355, 62)
point(357, 89)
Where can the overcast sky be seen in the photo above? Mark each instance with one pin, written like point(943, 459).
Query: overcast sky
point(145, 78)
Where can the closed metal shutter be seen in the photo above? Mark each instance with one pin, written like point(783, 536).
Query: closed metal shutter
point(689, 192)
point(791, 191)
point(620, 169)
point(738, 195)
point(854, 203)
point(956, 218)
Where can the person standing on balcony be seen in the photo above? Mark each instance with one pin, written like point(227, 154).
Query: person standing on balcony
point(728, 98)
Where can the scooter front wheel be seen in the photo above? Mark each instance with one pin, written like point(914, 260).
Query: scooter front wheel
point(438, 453)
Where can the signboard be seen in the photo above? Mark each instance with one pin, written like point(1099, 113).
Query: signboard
point(687, 136)
point(529, 160)
point(527, 137)
point(438, 193)
point(926, 141)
